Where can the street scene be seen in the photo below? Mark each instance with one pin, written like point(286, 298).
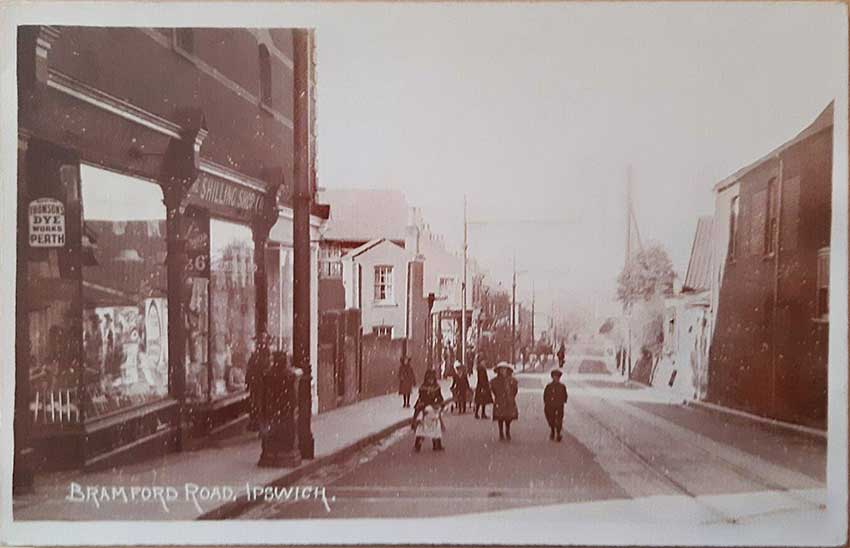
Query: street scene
point(522, 278)
point(621, 443)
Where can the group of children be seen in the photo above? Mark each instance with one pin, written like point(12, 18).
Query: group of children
point(428, 421)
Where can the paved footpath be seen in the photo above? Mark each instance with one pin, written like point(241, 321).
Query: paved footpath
point(199, 481)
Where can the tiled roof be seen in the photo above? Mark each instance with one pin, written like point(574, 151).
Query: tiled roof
point(698, 277)
point(363, 215)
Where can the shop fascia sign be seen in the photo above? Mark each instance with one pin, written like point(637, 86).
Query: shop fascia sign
point(211, 191)
point(46, 223)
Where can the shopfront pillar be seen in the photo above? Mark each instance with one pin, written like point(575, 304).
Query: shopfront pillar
point(34, 45)
point(179, 172)
point(22, 473)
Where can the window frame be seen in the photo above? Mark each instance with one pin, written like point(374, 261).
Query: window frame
point(734, 226)
point(383, 331)
point(450, 285)
point(822, 283)
point(383, 277)
point(180, 45)
point(771, 219)
point(330, 263)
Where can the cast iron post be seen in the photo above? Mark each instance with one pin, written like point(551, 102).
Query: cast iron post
point(302, 197)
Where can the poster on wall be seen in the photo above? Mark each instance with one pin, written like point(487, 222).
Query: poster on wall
point(46, 223)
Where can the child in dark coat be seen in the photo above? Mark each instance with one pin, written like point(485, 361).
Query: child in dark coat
point(554, 399)
point(460, 389)
point(406, 380)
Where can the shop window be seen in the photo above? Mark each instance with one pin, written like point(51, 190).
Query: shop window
point(384, 284)
point(232, 299)
point(125, 306)
point(287, 278)
point(265, 76)
point(52, 287)
point(823, 285)
point(771, 219)
point(733, 228)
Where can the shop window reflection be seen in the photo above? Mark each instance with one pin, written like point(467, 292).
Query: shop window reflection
point(125, 310)
point(232, 306)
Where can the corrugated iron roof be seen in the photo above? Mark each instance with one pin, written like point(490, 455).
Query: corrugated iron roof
point(698, 277)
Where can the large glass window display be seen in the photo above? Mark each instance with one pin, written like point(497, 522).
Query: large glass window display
point(232, 303)
point(279, 276)
point(124, 292)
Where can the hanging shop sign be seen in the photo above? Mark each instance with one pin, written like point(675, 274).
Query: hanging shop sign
point(225, 198)
point(47, 223)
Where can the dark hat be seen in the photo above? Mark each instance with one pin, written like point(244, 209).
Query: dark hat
point(556, 373)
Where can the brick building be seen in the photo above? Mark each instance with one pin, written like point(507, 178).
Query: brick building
point(155, 224)
point(772, 239)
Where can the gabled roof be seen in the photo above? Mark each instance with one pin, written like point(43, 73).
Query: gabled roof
point(362, 215)
point(698, 276)
point(367, 246)
point(823, 121)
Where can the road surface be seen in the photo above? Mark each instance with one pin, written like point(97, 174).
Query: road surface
point(631, 447)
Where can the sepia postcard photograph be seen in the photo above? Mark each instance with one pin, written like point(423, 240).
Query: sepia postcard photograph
point(536, 273)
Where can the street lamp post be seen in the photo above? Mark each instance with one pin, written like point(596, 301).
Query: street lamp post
point(463, 293)
point(302, 198)
point(513, 315)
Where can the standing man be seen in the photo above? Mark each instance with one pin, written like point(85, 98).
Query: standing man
point(562, 354)
point(258, 363)
point(554, 399)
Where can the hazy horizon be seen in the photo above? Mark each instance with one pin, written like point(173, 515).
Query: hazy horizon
point(535, 112)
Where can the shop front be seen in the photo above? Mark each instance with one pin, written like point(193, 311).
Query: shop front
point(225, 238)
point(93, 318)
point(97, 331)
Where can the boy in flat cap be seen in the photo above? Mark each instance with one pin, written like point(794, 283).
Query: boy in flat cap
point(554, 399)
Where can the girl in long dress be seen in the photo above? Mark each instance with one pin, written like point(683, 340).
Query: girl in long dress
point(504, 388)
point(427, 416)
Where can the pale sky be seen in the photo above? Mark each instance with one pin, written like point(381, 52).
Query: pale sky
point(534, 111)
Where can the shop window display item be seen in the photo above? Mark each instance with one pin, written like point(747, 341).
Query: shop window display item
point(125, 310)
point(232, 297)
